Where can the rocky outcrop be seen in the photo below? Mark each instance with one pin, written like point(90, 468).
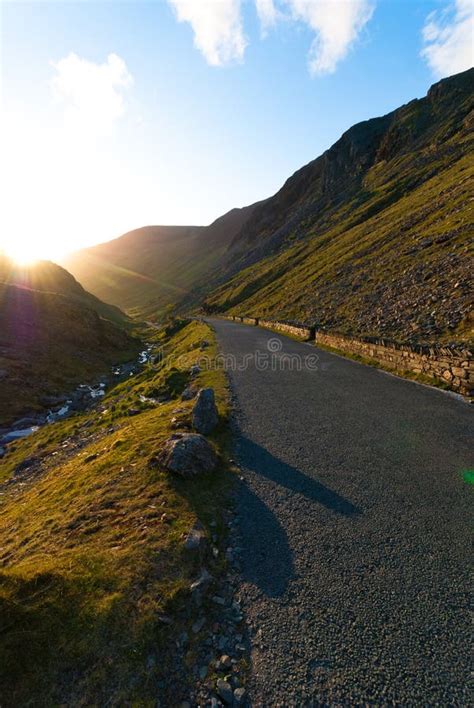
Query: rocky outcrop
point(187, 455)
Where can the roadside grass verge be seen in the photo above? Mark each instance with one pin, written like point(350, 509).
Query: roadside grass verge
point(94, 574)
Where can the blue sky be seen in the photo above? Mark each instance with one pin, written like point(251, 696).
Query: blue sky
point(119, 114)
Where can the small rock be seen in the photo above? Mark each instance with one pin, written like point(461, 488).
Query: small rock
point(91, 457)
point(187, 454)
point(133, 411)
point(188, 394)
point(198, 625)
point(164, 619)
point(224, 691)
point(195, 370)
point(240, 695)
point(203, 580)
point(225, 661)
point(205, 417)
point(203, 672)
point(2, 452)
point(196, 538)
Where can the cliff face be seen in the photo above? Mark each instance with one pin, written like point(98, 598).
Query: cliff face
point(373, 237)
point(397, 149)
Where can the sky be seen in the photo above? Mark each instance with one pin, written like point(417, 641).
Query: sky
point(119, 114)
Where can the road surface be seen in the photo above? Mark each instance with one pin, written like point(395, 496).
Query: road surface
point(354, 523)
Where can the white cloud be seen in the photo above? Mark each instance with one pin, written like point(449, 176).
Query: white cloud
point(267, 13)
point(217, 26)
point(91, 93)
point(449, 38)
point(337, 24)
point(219, 34)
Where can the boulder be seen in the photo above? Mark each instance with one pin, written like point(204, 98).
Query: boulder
point(205, 417)
point(188, 455)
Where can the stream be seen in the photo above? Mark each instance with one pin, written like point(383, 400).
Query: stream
point(82, 398)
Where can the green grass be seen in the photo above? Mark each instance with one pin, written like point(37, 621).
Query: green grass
point(50, 343)
point(92, 547)
point(341, 274)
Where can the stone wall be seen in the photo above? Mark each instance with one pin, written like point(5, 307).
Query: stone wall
point(296, 330)
point(452, 365)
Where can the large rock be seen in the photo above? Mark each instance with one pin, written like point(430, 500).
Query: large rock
point(205, 417)
point(188, 455)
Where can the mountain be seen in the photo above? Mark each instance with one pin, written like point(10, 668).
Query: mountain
point(49, 277)
point(151, 268)
point(372, 236)
point(53, 336)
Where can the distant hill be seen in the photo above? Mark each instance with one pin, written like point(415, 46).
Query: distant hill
point(374, 236)
point(53, 336)
point(148, 269)
point(49, 277)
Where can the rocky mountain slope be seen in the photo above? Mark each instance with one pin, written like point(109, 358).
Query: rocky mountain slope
point(373, 236)
point(53, 335)
point(149, 269)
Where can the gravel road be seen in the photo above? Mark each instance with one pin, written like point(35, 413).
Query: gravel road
point(354, 523)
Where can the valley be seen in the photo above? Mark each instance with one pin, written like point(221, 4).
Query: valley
point(196, 511)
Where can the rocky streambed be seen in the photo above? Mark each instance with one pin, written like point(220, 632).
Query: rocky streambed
point(80, 399)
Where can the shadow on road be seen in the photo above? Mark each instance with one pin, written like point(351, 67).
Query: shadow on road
point(259, 460)
point(267, 557)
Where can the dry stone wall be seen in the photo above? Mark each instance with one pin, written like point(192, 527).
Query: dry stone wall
point(450, 364)
point(296, 330)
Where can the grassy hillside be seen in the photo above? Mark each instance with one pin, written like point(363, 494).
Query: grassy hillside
point(372, 237)
point(53, 337)
point(48, 277)
point(150, 269)
point(375, 235)
point(94, 586)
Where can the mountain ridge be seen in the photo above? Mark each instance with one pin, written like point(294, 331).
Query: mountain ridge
point(387, 204)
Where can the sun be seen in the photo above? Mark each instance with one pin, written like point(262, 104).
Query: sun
point(26, 253)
